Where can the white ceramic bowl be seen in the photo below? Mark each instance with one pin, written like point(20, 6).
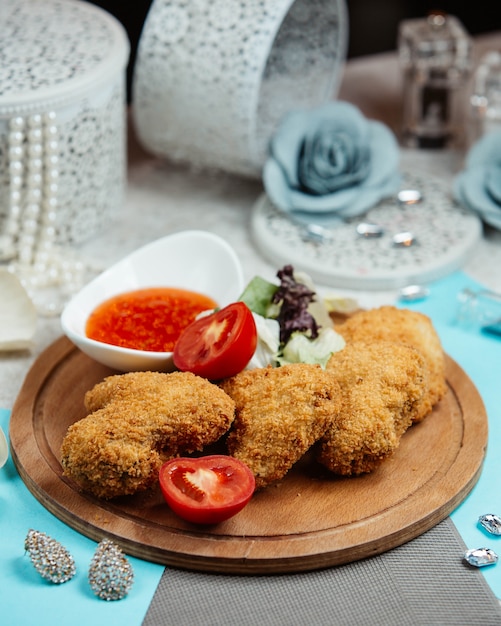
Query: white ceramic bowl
point(193, 260)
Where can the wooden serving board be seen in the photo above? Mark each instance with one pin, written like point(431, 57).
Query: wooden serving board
point(310, 520)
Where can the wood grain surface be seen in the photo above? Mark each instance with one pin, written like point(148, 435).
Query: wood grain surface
point(310, 520)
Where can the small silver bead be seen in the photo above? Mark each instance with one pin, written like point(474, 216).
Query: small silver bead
point(35, 150)
point(35, 135)
point(49, 117)
point(35, 120)
point(15, 168)
point(34, 179)
point(51, 188)
point(30, 227)
point(16, 182)
point(16, 153)
point(52, 146)
point(35, 165)
point(34, 194)
point(15, 211)
point(16, 138)
point(15, 196)
point(52, 132)
point(51, 160)
point(48, 233)
point(16, 123)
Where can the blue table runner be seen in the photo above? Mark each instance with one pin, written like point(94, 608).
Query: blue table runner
point(25, 598)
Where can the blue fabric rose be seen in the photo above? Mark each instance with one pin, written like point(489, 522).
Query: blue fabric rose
point(330, 162)
point(478, 186)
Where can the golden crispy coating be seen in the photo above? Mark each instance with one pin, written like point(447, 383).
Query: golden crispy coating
point(382, 384)
point(281, 412)
point(137, 421)
point(410, 328)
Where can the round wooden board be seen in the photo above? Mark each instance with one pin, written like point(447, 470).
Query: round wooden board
point(309, 520)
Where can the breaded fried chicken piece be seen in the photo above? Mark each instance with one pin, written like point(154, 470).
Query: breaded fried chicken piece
point(280, 413)
point(410, 328)
point(382, 384)
point(137, 421)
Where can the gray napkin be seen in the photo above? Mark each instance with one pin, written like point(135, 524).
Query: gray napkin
point(422, 583)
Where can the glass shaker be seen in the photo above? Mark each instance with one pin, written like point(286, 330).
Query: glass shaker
point(485, 100)
point(436, 57)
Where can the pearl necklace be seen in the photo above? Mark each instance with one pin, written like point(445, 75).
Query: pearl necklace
point(29, 238)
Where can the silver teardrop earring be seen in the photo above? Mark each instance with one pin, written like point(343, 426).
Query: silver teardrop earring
point(110, 573)
point(50, 559)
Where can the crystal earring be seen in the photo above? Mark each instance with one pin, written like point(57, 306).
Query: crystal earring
point(51, 560)
point(110, 573)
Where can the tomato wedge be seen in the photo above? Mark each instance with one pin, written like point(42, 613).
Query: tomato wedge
point(208, 489)
point(218, 345)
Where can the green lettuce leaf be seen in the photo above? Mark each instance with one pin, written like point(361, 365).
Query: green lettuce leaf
point(258, 297)
point(302, 349)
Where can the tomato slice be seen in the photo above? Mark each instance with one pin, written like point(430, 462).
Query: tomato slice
point(218, 345)
point(208, 489)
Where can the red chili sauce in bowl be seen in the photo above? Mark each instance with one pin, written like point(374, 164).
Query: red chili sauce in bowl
point(148, 319)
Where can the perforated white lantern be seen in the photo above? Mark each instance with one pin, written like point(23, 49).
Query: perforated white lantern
point(213, 79)
point(62, 122)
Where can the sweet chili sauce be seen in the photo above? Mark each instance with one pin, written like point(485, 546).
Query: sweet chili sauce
point(146, 319)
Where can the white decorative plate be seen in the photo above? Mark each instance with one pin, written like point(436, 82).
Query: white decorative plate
point(445, 235)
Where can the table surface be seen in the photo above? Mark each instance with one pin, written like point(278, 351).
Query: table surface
point(163, 198)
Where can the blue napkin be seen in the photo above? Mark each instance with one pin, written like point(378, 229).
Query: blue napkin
point(26, 598)
point(480, 357)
